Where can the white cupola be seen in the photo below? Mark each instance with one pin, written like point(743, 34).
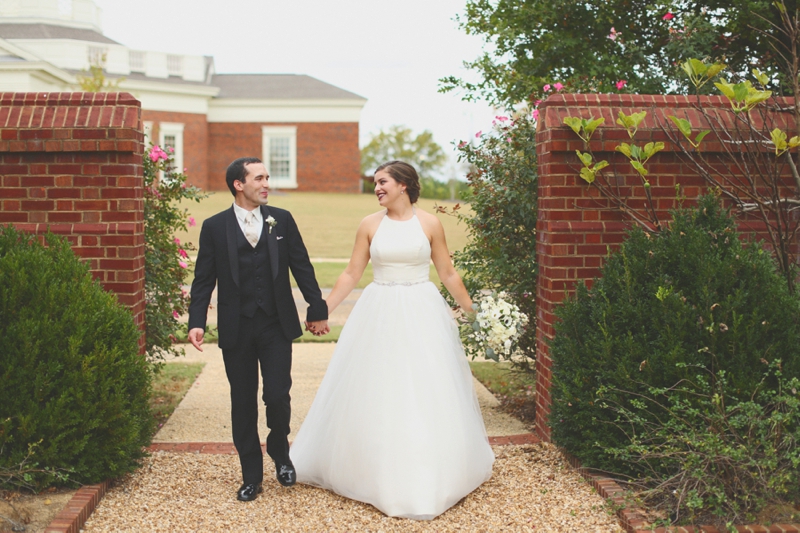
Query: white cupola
point(83, 14)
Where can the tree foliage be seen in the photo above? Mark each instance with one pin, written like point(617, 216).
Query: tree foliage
point(96, 81)
point(399, 142)
point(593, 45)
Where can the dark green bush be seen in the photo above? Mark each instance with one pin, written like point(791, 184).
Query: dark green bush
point(74, 388)
point(691, 295)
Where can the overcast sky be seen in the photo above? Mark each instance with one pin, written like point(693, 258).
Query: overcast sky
point(391, 53)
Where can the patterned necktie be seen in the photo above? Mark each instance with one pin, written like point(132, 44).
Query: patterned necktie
point(250, 229)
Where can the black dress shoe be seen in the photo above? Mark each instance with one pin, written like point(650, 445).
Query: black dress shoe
point(286, 473)
point(249, 492)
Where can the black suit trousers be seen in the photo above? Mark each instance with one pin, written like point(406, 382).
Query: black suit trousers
point(261, 342)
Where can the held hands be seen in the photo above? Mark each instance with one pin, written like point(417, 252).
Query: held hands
point(318, 327)
point(196, 338)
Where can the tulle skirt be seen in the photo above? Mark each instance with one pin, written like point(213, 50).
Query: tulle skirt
point(395, 422)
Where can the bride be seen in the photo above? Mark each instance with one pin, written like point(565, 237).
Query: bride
point(395, 422)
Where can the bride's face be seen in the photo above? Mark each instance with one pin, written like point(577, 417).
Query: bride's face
point(387, 189)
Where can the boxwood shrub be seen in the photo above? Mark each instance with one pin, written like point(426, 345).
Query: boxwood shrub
point(74, 394)
point(692, 295)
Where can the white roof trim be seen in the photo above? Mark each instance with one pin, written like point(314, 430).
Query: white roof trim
point(172, 88)
point(17, 51)
point(284, 102)
point(32, 63)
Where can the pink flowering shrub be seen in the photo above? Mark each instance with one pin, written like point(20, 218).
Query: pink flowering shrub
point(501, 252)
point(157, 154)
point(166, 258)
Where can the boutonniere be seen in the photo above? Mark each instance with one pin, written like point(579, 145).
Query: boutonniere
point(272, 223)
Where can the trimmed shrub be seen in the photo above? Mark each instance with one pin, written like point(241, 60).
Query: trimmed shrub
point(74, 394)
point(691, 296)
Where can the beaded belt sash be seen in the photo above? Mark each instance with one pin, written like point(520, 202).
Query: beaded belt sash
point(406, 283)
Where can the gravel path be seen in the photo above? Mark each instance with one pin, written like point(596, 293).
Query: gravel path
point(532, 489)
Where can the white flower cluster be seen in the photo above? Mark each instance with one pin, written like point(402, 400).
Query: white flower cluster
point(497, 326)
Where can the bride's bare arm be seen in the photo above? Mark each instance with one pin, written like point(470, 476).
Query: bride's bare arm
point(348, 279)
point(440, 256)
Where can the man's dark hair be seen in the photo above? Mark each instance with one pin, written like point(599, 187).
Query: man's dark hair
point(237, 171)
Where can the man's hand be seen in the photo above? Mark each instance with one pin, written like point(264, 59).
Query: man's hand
point(196, 338)
point(318, 327)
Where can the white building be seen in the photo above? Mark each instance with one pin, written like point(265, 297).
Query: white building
point(293, 122)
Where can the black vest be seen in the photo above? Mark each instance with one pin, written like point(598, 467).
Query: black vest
point(255, 276)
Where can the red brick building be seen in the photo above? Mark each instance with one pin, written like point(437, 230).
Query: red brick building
point(304, 129)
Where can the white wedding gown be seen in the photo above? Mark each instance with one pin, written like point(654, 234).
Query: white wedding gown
point(395, 422)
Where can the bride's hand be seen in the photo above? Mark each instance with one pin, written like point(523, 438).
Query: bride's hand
point(470, 315)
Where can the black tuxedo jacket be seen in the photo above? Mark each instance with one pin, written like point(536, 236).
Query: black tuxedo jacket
point(218, 264)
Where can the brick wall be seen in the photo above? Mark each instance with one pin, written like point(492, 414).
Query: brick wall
point(576, 224)
point(195, 142)
point(72, 163)
point(328, 157)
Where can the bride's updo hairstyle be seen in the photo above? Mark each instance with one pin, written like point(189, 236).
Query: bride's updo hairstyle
point(403, 173)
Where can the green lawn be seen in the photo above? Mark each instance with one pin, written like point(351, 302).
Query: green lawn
point(327, 221)
point(501, 379)
point(169, 387)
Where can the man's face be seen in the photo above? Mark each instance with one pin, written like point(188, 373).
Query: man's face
point(255, 189)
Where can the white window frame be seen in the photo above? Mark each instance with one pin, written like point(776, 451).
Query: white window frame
point(97, 56)
point(137, 61)
point(175, 129)
point(267, 134)
point(175, 65)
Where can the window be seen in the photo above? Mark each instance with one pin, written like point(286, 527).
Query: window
point(174, 65)
point(97, 56)
point(279, 145)
point(171, 136)
point(136, 59)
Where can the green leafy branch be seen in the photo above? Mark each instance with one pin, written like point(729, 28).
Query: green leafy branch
point(699, 73)
point(743, 96)
point(583, 127)
point(780, 142)
point(631, 122)
point(685, 127)
point(589, 171)
point(639, 156)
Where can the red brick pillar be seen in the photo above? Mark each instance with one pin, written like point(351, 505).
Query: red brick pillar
point(576, 225)
point(71, 163)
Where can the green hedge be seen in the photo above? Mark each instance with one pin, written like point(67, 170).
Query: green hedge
point(691, 295)
point(74, 388)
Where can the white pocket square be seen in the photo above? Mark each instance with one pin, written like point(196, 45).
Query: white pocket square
point(279, 237)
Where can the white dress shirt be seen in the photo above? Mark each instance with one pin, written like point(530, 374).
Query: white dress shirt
point(241, 213)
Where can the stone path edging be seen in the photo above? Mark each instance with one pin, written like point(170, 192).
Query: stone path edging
point(77, 511)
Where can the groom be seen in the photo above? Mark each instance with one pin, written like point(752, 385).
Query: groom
point(247, 251)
